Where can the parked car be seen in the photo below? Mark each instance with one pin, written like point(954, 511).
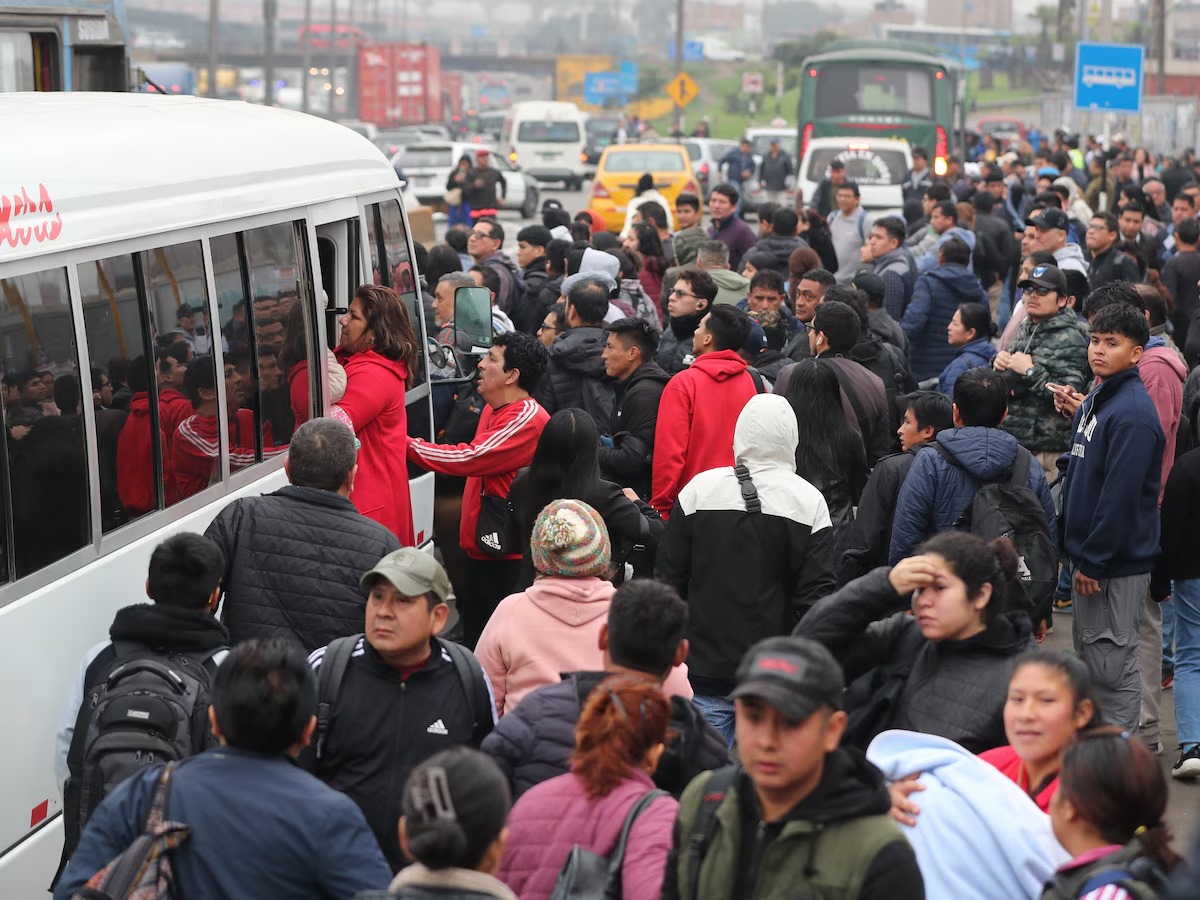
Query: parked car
point(705, 154)
point(620, 167)
point(427, 166)
point(876, 166)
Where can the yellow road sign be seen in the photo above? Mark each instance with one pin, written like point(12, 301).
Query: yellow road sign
point(683, 89)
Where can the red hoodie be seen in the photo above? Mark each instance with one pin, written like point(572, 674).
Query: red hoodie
point(374, 407)
point(1163, 373)
point(197, 454)
point(504, 442)
point(696, 418)
point(135, 458)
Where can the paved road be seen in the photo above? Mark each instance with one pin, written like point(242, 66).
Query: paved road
point(1183, 808)
point(573, 201)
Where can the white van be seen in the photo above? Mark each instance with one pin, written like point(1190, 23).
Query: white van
point(251, 216)
point(548, 140)
point(877, 166)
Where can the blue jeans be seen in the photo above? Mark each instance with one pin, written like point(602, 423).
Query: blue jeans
point(718, 712)
point(1168, 655)
point(459, 215)
point(1185, 597)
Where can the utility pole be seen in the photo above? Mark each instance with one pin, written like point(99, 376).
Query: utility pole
point(1160, 39)
point(678, 59)
point(270, 10)
point(306, 57)
point(333, 56)
point(214, 33)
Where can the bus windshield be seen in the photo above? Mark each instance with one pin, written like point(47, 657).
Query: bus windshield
point(866, 88)
point(548, 132)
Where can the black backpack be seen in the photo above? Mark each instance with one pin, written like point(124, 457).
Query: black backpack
point(337, 659)
point(705, 825)
point(1009, 509)
point(599, 399)
point(589, 876)
point(147, 706)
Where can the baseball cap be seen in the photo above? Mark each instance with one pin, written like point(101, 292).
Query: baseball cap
point(756, 343)
point(483, 151)
point(185, 310)
point(796, 676)
point(1051, 218)
point(412, 573)
point(1047, 277)
point(993, 176)
point(870, 284)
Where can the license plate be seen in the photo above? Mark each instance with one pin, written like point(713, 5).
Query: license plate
point(549, 155)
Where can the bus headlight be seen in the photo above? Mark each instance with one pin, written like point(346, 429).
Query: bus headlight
point(939, 166)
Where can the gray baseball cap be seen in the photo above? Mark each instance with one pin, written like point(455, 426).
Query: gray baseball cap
point(412, 572)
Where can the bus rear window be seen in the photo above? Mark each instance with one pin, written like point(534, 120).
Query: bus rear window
point(548, 132)
point(861, 88)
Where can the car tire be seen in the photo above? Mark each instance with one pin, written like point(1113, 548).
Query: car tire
point(530, 208)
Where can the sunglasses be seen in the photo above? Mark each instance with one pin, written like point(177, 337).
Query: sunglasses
point(1040, 291)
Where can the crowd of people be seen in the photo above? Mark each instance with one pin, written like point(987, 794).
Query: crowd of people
point(753, 532)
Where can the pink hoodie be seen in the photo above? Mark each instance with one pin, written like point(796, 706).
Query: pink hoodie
point(550, 628)
point(1164, 373)
point(550, 818)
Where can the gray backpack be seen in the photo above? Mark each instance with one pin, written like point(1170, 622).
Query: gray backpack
point(589, 876)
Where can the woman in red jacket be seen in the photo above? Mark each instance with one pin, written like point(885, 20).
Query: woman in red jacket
point(379, 350)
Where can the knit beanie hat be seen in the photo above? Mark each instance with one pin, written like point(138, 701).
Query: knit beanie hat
point(570, 539)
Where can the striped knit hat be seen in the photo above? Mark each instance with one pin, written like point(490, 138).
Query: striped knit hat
point(570, 539)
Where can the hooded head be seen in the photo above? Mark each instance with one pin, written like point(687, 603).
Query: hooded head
point(766, 433)
point(597, 261)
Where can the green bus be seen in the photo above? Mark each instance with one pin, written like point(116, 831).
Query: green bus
point(882, 89)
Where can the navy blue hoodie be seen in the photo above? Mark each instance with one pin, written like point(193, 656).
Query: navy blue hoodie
point(1110, 508)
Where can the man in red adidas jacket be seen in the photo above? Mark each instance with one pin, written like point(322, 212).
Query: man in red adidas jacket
point(509, 428)
point(700, 406)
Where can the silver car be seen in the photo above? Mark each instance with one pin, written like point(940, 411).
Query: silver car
point(427, 168)
point(706, 154)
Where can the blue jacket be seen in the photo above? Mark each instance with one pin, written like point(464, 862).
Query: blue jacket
point(936, 297)
point(975, 354)
point(738, 162)
point(261, 827)
point(929, 260)
point(936, 493)
point(1110, 498)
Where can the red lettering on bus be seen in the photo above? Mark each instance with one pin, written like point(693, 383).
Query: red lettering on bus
point(24, 219)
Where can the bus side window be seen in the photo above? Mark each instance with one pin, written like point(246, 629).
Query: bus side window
point(131, 443)
point(277, 393)
point(46, 482)
point(385, 229)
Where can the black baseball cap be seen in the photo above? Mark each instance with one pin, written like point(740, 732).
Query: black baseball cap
point(793, 675)
point(1046, 277)
point(1051, 218)
point(994, 176)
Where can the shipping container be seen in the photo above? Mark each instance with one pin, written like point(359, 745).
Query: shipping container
point(400, 84)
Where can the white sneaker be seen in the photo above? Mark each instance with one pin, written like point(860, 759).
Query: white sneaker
point(1189, 764)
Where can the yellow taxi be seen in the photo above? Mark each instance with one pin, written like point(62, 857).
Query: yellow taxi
point(620, 167)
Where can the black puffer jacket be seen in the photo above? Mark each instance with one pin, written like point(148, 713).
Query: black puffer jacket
point(292, 564)
point(780, 248)
point(534, 742)
point(635, 416)
point(530, 311)
point(576, 356)
point(954, 689)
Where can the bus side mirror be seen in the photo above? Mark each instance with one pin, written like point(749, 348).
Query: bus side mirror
point(472, 319)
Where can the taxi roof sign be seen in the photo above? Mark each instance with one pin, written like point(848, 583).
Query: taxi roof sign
point(683, 89)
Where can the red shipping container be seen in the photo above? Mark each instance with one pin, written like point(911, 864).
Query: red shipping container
point(400, 84)
point(452, 85)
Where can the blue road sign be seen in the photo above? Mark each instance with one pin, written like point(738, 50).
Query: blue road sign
point(1109, 77)
point(628, 76)
point(693, 51)
point(600, 86)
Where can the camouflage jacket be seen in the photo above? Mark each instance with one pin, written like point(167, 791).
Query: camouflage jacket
point(1059, 350)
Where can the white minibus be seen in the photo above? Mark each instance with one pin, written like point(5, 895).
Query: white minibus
point(124, 218)
point(548, 140)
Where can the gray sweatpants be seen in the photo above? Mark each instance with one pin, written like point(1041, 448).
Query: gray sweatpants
point(1105, 632)
point(1150, 639)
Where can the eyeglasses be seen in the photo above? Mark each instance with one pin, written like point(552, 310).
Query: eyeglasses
point(676, 292)
point(481, 234)
point(545, 327)
point(1039, 290)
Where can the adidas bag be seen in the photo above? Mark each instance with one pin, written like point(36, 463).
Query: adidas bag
point(1009, 509)
point(496, 527)
point(146, 708)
